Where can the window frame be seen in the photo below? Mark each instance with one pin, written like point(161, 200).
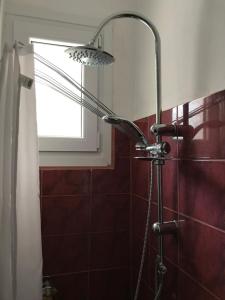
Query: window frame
point(90, 139)
point(18, 27)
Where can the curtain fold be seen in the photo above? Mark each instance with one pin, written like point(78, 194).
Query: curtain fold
point(20, 234)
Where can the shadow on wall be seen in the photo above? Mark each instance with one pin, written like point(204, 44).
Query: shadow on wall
point(193, 43)
point(210, 48)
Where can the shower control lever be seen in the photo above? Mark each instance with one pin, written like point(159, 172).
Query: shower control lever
point(140, 146)
point(159, 148)
point(170, 227)
point(155, 149)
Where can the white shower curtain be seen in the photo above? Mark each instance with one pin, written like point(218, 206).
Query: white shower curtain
point(20, 234)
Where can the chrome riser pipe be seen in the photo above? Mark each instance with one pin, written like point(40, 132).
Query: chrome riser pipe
point(158, 165)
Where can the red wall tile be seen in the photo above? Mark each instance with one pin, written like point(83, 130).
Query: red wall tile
point(71, 286)
point(65, 214)
point(112, 181)
point(65, 182)
point(85, 226)
point(110, 285)
point(202, 255)
point(140, 178)
point(170, 185)
point(109, 250)
point(193, 190)
point(190, 289)
point(202, 190)
point(110, 212)
point(65, 254)
point(207, 117)
point(102, 205)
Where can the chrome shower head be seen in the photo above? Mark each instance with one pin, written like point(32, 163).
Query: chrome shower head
point(89, 55)
point(127, 127)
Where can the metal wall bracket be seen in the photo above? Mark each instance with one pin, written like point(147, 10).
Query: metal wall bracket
point(173, 130)
point(170, 227)
point(26, 82)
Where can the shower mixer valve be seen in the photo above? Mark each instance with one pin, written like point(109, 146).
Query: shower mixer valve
point(161, 148)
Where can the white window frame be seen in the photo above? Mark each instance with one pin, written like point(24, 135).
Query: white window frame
point(90, 140)
point(90, 134)
point(20, 27)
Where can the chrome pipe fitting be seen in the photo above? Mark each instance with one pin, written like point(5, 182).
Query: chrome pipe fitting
point(170, 227)
point(161, 148)
point(140, 146)
point(162, 269)
point(157, 149)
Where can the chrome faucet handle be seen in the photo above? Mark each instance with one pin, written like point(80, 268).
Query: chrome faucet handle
point(140, 146)
point(161, 148)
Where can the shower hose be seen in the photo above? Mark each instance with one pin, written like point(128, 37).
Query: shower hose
point(147, 227)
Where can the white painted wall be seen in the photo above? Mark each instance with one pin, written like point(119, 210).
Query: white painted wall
point(86, 12)
point(66, 14)
point(2, 6)
point(193, 52)
point(93, 9)
point(193, 46)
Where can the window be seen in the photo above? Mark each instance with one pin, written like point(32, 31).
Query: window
point(94, 148)
point(61, 122)
point(52, 106)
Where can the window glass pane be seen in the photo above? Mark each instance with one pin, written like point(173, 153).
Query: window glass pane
point(57, 115)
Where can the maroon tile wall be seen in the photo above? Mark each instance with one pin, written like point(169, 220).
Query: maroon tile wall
point(85, 228)
point(93, 219)
point(194, 192)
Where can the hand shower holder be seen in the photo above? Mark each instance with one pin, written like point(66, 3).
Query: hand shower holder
point(165, 228)
point(173, 130)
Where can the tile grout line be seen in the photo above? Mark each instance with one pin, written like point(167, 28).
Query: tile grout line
point(89, 234)
point(85, 233)
point(202, 223)
point(106, 269)
point(82, 195)
point(140, 197)
point(131, 227)
point(199, 284)
point(179, 268)
point(192, 218)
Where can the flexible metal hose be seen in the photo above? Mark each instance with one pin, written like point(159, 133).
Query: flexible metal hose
point(158, 292)
point(54, 84)
point(147, 227)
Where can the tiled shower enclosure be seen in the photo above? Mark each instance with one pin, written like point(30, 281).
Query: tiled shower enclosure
point(93, 219)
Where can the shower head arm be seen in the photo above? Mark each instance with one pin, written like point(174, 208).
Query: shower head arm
point(126, 14)
point(152, 27)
